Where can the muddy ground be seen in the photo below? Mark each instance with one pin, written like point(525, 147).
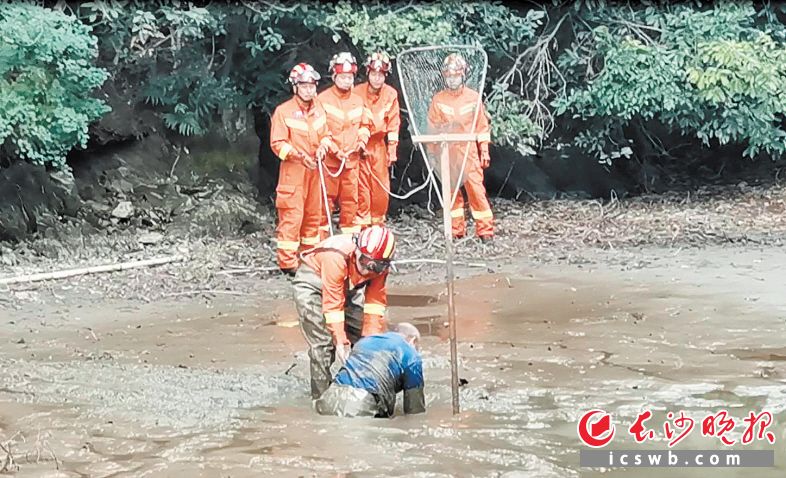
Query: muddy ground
point(198, 368)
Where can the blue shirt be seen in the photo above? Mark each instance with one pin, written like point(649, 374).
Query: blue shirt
point(383, 365)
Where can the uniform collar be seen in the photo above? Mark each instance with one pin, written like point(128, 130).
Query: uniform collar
point(457, 92)
point(342, 95)
point(306, 107)
point(372, 93)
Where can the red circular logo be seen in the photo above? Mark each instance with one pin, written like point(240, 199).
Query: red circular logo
point(596, 433)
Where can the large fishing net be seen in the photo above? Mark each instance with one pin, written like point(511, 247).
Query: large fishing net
point(434, 108)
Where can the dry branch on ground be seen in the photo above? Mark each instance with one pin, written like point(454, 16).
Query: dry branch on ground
point(537, 230)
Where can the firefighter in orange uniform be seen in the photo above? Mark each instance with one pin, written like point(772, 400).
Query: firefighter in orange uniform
point(299, 136)
point(349, 122)
point(374, 176)
point(452, 110)
point(340, 295)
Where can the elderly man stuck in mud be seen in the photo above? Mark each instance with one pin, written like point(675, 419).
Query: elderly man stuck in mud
point(378, 367)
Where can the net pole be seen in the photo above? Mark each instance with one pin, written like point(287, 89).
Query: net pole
point(446, 221)
point(417, 82)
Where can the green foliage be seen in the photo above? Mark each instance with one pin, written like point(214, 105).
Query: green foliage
point(377, 26)
point(500, 30)
point(742, 85)
point(190, 98)
point(175, 40)
point(47, 76)
point(193, 63)
point(637, 79)
point(510, 121)
point(708, 73)
point(598, 72)
point(394, 28)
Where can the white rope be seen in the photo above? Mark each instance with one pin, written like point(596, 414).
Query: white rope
point(431, 176)
point(323, 185)
point(325, 196)
point(391, 193)
point(340, 168)
point(320, 165)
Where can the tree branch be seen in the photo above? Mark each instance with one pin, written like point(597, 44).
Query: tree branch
point(537, 89)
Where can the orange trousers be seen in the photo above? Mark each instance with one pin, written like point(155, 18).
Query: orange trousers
point(478, 204)
point(373, 199)
point(297, 194)
point(341, 191)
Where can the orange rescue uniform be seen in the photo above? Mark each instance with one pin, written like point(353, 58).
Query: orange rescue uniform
point(300, 129)
point(453, 112)
point(373, 199)
point(334, 262)
point(349, 122)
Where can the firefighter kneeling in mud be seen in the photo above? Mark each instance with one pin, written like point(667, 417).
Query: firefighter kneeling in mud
point(378, 367)
point(340, 296)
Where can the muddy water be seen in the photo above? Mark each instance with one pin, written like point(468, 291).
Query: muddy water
point(189, 389)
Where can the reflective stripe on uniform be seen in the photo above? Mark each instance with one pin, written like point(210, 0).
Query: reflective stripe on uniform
point(392, 136)
point(355, 113)
point(374, 309)
point(364, 132)
point(482, 214)
point(457, 213)
point(350, 230)
point(285, 149)
point(310, 241)
point(333, 111)
point(288, 245)
point(445, 108)
point(484, 137)
point(466, 109)
point(334, 317)
point(320, 122)
point(364, 220)
point(296, 124)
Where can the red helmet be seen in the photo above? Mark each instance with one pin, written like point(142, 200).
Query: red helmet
point(376, 242)
point(378, 61)
point(303, 73)
point(343, 62)
point(455, 63)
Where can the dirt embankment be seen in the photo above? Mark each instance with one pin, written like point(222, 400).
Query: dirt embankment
point(227, 237)
point(134, 178)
